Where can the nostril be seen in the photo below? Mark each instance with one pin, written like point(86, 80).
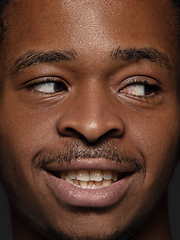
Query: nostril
point(114, 133)
point(92, 127)
point(90, 135)
point(69, 132)
point(73, 133)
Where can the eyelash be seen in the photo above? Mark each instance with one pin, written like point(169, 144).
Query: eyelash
point(62, 86)
point(31, 85)
point(155, 87)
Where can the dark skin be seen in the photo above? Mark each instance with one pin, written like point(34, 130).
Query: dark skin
point(111, 69)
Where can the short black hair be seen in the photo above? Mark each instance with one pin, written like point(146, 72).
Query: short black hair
point(4, 3)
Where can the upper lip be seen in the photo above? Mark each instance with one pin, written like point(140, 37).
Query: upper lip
point(92, 164)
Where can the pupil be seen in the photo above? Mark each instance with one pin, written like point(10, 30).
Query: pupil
point(149, 90)
point(59, 87)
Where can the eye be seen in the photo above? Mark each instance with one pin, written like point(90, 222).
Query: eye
point(49, 85)
point(141, 89)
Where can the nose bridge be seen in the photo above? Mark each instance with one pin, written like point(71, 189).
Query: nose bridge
point(92, 113)
point(93, 101)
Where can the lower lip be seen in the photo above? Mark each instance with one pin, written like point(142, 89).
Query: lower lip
point(76, 196)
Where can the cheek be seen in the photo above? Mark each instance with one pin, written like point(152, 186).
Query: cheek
point(24, 129)
point(22, 135)
point(157, 138)
point(21, 138)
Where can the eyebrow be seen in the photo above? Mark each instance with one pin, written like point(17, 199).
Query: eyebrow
point(135, 55)
point(34, 57)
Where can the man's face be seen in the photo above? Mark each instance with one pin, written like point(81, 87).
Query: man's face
point(88, 85)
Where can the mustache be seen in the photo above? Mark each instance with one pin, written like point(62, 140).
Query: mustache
point(76, 151)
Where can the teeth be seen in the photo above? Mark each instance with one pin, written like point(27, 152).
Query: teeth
point(63, 175)
point(106, 183)
point(90, 179)
point(72, 174)
point(83, 175)
point(76, 182)
point(91, 184)
point(69, 180)
point(83, 184)
point(114, 176)
point(107, 174)
point(95, 175)
point(98, 184)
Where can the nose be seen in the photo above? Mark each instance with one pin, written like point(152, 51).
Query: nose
point(91, 116)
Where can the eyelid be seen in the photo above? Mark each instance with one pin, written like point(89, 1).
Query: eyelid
point(42, 80)
point(45, 80)
point(148, 82)
point(142, 80)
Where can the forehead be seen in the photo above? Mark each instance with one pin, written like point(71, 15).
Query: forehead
point(89, 26)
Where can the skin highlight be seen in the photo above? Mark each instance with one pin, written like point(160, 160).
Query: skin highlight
point(96, 54)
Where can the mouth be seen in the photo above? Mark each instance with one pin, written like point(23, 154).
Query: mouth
point(90, 183)
point(93, 179)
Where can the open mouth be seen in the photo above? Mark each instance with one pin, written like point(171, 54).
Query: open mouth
point(93, 186)
point(92, 179)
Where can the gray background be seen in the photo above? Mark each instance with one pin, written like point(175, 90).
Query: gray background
point(174, 209)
